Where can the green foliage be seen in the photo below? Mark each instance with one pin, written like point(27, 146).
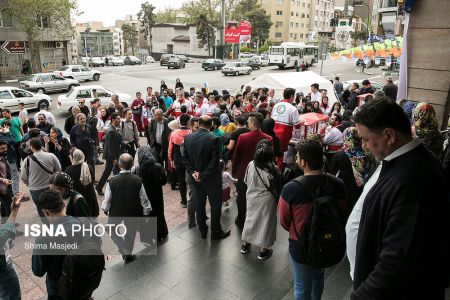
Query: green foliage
point(205, 34)
point(167, 15)
point(264, 48)
point(147, 18)
point(252, 11)
point(130, 36)
point(245, 49)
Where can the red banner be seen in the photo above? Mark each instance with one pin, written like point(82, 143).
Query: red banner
point(245, 28)
point(232, 32)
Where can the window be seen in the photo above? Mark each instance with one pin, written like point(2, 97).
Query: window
point(84, 94)
point(307, 16)
point(21, 93)
point(309, 6)
point(292, 24)
point(278, 24)
point(45, 78)
point(290, 34)
point(277, 50)
point(303, 5)
point(56, 77)
point(100, 93)
point(296, 14)
point(279, 12)
point(85, 69)
point(317, 12)
point(301, 35)
point(315, 23)
point(5, 95)
point(278, 34)
point(42, 22)
point(75, 69)
point(295, 52)
point(5, 19)
point(303, 25)
point(292, 13)
point(296, 25)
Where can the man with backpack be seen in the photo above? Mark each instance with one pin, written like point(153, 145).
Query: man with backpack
point(175, 157)
point(311, 208)
point(72, 274)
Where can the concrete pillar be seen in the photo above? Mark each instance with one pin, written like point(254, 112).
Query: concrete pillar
point(429, 55)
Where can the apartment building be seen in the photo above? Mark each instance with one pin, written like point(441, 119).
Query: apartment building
point(291, 19)
point(388, 17)
point(322, 11)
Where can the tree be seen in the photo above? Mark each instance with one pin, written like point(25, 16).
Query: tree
point(205, 14)
point(167, 15)
point(39, 18)
point(252, 11)
point(147, 18)
point(130, 37)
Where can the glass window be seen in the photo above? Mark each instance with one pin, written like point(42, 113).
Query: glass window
point(5, 19)
point(296, 25)
point(292, 13)
point(301, 35)
point(84, 94)
point(99, 93)
point(63, 68)
point(5, 95)
point(303, 5)
point(21, 93)
point(278, 34)
point(45, 78)
point(75, 69)
point(84, 69)
point(276, 50)
point(279, 12)
point(56, 77)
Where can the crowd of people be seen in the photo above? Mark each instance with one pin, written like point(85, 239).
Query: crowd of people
point(371, 181)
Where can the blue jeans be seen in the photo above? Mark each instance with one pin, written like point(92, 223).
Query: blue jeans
point(14, 177)
point(308, 281)
point(10, 282)
point(35, 194)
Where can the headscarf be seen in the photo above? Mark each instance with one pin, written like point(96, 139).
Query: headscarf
point(145, 154)
point(408, 108)
point(224, 120)
point(352, 147)
point(263, 159)
point(63, 180)
point(427, 128)
point(267, 126)
point(60, 135)
point(85, 174)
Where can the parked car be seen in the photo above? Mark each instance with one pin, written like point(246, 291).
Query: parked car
point(150, 60)
point(78, 72)
point(132, 60)
point(236, 68)
point(175, 62)
point(348, 83)
point(115, 61)
point(253, 62)
point(10, 97)
point(213, 64)
point(165, 59)
point(183, 57)
point(264, 60)
point(98, 62)
point(47, 82)
point(90, 92)
point(245, 55)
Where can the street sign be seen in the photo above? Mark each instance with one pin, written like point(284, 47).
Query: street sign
point(86, 50)
point(14, 47)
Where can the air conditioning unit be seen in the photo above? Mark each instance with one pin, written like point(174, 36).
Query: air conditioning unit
point(59, 45)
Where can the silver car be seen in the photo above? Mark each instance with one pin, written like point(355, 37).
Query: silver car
point(47, 83)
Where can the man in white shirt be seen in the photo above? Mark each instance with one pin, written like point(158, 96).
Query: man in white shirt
point(315, 94)
point(48, 115)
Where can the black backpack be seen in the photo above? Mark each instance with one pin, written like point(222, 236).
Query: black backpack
point(177, 157)
point(82, 271)
point(323, 233)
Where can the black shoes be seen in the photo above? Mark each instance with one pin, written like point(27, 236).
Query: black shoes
point(128, 258)
point(192, 225)
point(265, 255)
point(183, 204)
point(203, 234)
point(99, 192)
point(245, 248)
point(221, 235)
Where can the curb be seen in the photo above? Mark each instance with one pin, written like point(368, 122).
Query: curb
point(10, 81)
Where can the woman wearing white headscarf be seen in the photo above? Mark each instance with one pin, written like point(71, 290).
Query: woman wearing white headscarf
point(82, 176)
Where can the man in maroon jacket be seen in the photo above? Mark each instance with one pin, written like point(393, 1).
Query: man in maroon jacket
point(243, 155)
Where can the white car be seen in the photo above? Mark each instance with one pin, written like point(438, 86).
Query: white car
point(10, 97)
point(150, 60)
point(236, 68)
point(89, 93)
point(78, 72)
point(264, 60)
point(245, 55)
point(115, 61)
point(98, 62)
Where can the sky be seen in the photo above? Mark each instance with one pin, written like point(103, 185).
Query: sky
point(110, 10)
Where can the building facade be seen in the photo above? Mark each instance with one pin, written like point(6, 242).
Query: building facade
point(99, 42)
point(176, 39)
point(388, 17)
point(142, 40)
point(322, 11)
point(50, 49)
point(291, 20)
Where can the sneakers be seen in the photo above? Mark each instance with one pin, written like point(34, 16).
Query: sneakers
point(265, 255)
point(245, 248)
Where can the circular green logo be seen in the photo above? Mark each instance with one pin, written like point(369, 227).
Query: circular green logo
point(281, 109)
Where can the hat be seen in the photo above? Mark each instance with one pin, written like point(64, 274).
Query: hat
point(365, 82)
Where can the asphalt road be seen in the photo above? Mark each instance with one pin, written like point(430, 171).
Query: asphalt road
point(131, 79)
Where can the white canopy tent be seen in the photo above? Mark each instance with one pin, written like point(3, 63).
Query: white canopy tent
point(300, 81)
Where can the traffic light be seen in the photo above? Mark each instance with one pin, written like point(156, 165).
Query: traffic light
point(350, 21)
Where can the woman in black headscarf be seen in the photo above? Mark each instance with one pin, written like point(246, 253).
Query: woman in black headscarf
point(153, 177)
point(267, 127)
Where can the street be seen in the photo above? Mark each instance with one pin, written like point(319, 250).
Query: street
point(131, 79)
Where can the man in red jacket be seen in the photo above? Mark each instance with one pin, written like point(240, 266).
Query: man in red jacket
point(243, 155)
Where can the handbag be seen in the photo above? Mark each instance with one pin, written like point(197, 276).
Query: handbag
point(136, 111)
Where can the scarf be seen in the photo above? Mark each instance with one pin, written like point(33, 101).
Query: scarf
point(408, 108)
point(353, 149)
point(427, 128)
point(85, 174)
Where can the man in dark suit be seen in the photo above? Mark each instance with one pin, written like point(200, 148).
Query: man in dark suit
point(111, 152)
point(201, 153)
point(399, 226)
point(243, 155)
point(158, 137)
